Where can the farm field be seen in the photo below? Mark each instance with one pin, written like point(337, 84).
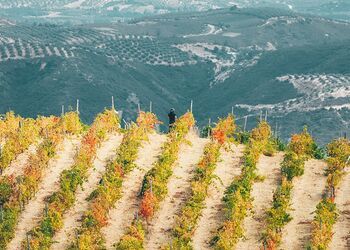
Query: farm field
point(102, 186)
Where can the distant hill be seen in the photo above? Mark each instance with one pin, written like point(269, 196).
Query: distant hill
point(92, 11)
point(294, 67)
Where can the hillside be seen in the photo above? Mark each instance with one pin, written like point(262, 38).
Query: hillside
point(256, 60)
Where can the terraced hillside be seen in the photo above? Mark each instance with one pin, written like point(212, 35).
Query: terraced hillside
point(289, 65)
point(199, 179)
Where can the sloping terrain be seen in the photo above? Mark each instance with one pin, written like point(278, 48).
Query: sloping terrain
point(262, 193)
point(213, 214)
point(341, 237)
point(306, 194)
point(31, 214)
point(293, 67)
point(126, 208)
point(159, 230)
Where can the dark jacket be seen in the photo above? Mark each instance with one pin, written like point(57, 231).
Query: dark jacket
point(172, 117)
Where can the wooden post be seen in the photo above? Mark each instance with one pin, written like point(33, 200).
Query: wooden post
point(245, 122)
point(113, 107)
point(209, 127)
point(191, 109)
point(150, 106)
point(77, 106)
point(62, 111)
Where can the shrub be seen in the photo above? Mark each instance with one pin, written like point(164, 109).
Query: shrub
point(292, 165)
point(302, 144)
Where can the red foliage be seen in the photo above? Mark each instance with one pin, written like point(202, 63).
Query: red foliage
point(220, 136)
point(90, 140)
point(99, 213)
point(118, 169)
point(224, 130)
point(148, 205)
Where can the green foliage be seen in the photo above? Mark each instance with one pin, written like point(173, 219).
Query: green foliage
point(133, 239)
point(206, 131)
point(292, 165)
point(243, 137)
point(318, 153)
point(5, 190)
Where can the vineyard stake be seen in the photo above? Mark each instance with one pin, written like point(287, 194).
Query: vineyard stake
point(209, 126)
point(62, 110)
point(113, 107)
point(77, 106)
point(20, 125)
point(276, 134)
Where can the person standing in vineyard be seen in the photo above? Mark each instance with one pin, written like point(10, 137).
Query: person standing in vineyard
point(172, 118)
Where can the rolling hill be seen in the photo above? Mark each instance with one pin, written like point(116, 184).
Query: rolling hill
point(257, 60)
